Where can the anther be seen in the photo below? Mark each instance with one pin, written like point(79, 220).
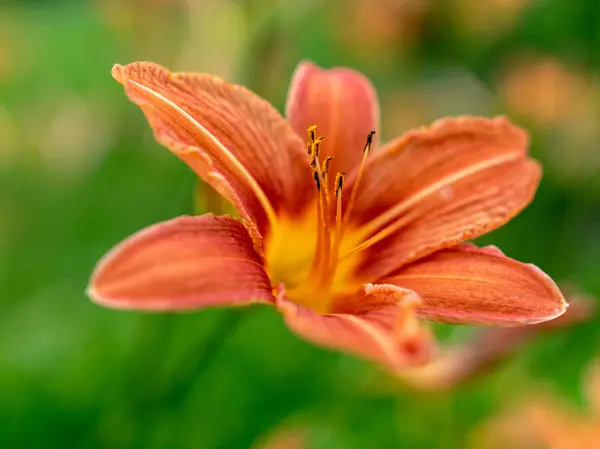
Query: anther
point(311, 138)
point(369, 142)
point(326, 165)
point(341, 221)
point(317, 180)
point(339, 183)
point(361, 169)
point(317, 145)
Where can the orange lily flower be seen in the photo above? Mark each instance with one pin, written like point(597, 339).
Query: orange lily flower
point(349, 260)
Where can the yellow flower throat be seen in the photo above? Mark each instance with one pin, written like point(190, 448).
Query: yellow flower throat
point(313, 256)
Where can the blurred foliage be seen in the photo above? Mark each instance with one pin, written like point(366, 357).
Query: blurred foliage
point(79, 171)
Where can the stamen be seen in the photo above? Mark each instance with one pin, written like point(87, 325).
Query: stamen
point(323, 250)
point(326, 165)
point(339, 183)
point(311, 137)
point(317, 144)
point(323, 244)
point(325, 178)
point(326, 257)
point(314, 151)
point(341, 220)
point(354, 191)
point(385, 232)
point(339, 187)
point(317, 180)
point(369, 141)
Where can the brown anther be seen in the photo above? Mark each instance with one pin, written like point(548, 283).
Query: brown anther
point(326, 165)
point(317, 180)
point(311, 138)
point(339, 183)
point(317, 145)
point(369, 141)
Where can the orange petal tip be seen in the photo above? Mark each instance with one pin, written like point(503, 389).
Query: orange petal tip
point(117, 72)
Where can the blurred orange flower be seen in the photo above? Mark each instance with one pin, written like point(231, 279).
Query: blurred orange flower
point(562, 100)
point(286, 437)
point(489, 18)
point(350, 261)
point(544, 422)
point(544, 89)
point(393, 25)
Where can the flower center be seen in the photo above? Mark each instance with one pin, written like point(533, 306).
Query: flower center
point(304, 254)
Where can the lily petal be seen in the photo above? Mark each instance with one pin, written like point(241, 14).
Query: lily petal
point(184, 263)
point(390, 335)
point(470, 285)
point(438, 187)
point(344, 106)
point(232, 138)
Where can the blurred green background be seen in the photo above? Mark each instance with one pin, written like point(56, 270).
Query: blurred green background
point(79, 171)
